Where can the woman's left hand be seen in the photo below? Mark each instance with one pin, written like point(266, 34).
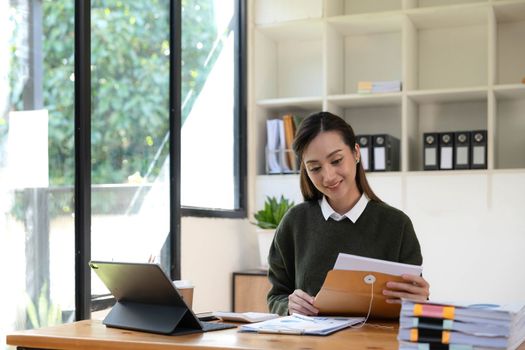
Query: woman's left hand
point(414, 288)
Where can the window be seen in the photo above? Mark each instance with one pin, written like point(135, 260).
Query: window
point(212, 140)
point(130, 67)
point(131, 198)
point(36, 164)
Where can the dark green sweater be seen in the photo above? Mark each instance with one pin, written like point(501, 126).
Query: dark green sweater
point(306, 246)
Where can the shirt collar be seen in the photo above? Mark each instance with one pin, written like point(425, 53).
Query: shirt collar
point(353, 214)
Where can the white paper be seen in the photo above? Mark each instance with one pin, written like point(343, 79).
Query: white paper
point(379, 158)
point(446, 158)
point(298, 324)
point(364, 158)
point(272, 146)
point(244, 316)
point(359, 263)
point(478, 155)
point(430, 157)
point(283, 161)
point(462, 155)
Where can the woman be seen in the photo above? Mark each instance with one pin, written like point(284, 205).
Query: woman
point(340, 214)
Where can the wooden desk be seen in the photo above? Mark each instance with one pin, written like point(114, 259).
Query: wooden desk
point(93, 334)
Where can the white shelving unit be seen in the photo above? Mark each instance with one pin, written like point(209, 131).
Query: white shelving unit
point(461, 63)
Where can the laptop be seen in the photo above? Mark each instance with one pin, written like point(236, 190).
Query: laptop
point(147, 300)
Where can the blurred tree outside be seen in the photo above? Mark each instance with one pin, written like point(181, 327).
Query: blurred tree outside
point(130, 82)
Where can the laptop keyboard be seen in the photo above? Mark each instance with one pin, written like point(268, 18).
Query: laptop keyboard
point(213, 326)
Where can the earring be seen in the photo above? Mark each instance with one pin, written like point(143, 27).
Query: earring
point(357, 161)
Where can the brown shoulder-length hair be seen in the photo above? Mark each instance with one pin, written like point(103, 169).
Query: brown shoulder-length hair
point(309, 128)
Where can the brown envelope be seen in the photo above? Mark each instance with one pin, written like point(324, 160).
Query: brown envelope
point(346, 293)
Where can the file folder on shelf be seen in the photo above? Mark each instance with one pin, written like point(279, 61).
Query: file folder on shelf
point(386, 152)
point(430, 151)
point(446, 151)
point(365, 145)
point(478, 148)
point(462, 150)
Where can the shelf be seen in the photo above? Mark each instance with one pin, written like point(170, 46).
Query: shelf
point(460, 62)
point(365, 100)
point(284, 53)
point(511, 91)
point(448, 95)
point(449, 16)
point(352, 7)
point(510, 58)
point(367, 24)
point(293, 103)
point(271, 11)
point(358, 46)
point(510, 128)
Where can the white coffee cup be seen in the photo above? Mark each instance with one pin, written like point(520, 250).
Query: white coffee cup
point(185, 288)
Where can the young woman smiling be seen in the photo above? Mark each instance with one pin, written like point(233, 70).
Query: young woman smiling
point(340, 214)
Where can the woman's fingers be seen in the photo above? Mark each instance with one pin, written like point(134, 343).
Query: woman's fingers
point(414, 288)
point(301, 303)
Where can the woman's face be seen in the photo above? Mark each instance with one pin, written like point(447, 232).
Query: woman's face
point(331, 166)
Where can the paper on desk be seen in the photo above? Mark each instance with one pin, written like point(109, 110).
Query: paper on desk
point(359, 263)
point(297, 324)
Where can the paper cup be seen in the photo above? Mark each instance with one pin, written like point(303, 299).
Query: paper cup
point(185, 288)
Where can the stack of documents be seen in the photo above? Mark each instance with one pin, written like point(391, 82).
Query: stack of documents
point(378, 87)
point(299, 324)
point(461, 326)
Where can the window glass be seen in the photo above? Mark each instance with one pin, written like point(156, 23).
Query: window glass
point(36, 164)
point(129, 131)
point(208, 157)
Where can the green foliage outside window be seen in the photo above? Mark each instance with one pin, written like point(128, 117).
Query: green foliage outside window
point(130, 82)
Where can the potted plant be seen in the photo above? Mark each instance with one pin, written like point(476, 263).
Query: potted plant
point(267, 220)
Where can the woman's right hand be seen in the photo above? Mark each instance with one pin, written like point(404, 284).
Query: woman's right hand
point(301, 303)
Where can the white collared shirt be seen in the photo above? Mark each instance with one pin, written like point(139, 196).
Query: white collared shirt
point(353, 214)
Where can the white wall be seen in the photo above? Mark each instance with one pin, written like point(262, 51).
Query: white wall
point(211, 249)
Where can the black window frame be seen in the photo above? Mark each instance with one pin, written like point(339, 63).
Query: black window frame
point(84, 301)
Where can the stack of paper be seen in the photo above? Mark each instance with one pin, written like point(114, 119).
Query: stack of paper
point(298, 324)
point(377, 87)
point(461, 326)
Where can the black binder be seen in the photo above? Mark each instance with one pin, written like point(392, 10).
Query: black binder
point(386, 152)
point(446, 151)
point(478, 149)
point(462, 150)
point(365, 144)
point(147, 300)
point(430, 151)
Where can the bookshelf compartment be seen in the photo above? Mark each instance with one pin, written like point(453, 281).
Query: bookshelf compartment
point(357, 49)
point(289, 61)
point(441, 116)
point(353, 7)
point(274, 112)
point(510, 58)
point(274, 11)
point(449, 48)
point(510, 128)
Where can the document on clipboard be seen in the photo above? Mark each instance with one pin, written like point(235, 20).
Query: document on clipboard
point(356, 284)
point(299, 325)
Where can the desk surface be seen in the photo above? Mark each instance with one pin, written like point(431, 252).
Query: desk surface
point(92, 334)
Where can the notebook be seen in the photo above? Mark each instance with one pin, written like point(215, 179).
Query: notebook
point(147, 300)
